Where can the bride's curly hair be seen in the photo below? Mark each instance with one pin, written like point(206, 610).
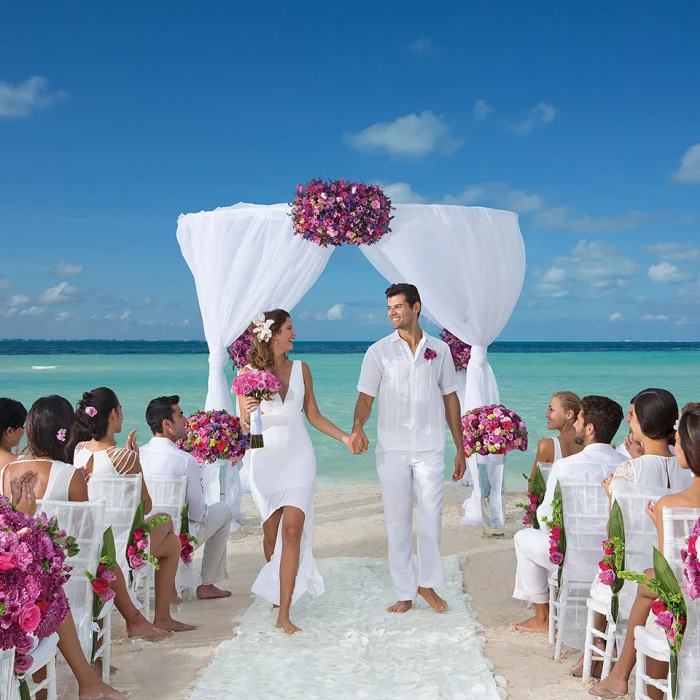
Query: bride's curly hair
point(261, 355)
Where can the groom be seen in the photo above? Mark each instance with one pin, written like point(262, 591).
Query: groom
point(413, 375)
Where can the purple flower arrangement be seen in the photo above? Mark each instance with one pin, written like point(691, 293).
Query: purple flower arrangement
point(261, 386)
point(493, 430)
point(691, 565)
point(461, 352)
point(213, 435)
point(240, 349)
point(33, 551)
point(335, 212)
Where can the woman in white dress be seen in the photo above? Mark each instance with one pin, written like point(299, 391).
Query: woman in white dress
point(283, 472)
point(688, 451)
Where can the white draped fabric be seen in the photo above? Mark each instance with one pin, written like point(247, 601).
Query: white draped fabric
point(467, 262)
point(244, 259)
point(469, 265)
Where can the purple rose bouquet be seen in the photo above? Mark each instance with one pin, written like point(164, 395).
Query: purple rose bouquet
point(33, 550)
point(691, 565)
point(461, 352)
point(213, 435)
point(493, 430)
point(261, 386)
point(240, 349)
point(335, 212)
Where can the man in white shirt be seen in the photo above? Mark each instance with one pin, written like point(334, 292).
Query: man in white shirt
point(596, 425)
point(414, 378)
point(209, 525)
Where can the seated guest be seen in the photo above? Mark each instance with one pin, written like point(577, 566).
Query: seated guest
point(652, 417)
point(98, 419)
point(12, 417)
point(49, 430)
point(561, 415)
point(161, 457)
point(596, 425)
point(688, 453)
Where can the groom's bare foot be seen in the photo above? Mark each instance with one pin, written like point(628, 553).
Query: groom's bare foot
point(401, 606)
point(211, 591)
point(287, 625)
point(533, 625)
point(433, 599)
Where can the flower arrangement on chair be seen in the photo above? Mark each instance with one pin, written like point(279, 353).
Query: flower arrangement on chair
point(137, 555)
point(669, 608)
point(537, 487)
point(493, 430)
point(691, 565)
point(335, 212)
point(461, 352)
point(557, 534)
point(614, 558)
point(187, 541)
point(33, 569)
point(213, 435)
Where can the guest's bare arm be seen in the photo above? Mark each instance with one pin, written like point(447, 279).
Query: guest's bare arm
point(359, 442)
point(545, 453)
point(454, 420)
point(314, 415)
point(77, 489)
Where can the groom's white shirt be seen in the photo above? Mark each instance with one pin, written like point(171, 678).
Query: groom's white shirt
point(410, 390)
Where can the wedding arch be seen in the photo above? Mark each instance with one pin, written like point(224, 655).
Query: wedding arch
point(467, 262)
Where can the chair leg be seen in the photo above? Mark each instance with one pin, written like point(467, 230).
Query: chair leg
point(51, 690)
point(107, 648)
point(552, 613)
point(640, 685)
point(588, 645)
point(147, 596)
point(609, 649)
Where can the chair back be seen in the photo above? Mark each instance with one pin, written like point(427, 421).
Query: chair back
point(86, 522)
point(122, 495)
point(678, 526)
point(546, 469)
point(168, 495)
point(7, 665)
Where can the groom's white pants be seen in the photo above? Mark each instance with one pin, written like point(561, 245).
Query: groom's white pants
point(399, 473)
point(532, 574)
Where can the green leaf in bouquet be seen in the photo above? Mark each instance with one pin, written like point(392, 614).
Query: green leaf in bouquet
point(108, 553)
point(538, 482)
point(185, 518)
point(664, 573)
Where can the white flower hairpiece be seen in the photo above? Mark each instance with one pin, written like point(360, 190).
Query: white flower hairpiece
point(262, 328)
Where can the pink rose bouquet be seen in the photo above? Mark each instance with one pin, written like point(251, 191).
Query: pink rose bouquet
point(557, 534)
point(691, 565)
point(261, 386)
point(461, 352)
point(102, 581)
point(213, 435)
point(187, 541)
point(240, 349)
point(493, 430)
point(137, 555)
point(537, 487)
point(613, 558)
point(33, 569)
point(336, 212)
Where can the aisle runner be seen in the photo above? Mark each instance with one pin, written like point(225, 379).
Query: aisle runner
point(352, 648)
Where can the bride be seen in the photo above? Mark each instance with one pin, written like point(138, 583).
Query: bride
point(283, 472)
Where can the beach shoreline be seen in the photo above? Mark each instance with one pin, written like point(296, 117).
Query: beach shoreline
point(348, 521)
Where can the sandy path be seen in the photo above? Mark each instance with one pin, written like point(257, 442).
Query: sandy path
point(349, 523)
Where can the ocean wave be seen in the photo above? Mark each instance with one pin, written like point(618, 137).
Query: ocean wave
point(44, 366)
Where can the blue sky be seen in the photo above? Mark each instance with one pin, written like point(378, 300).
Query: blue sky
point(582, 117)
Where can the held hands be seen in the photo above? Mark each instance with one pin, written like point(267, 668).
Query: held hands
point(131, 442)
point(358, 442)
point(460, 466)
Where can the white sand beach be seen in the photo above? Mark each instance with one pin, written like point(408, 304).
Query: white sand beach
point(349, 523)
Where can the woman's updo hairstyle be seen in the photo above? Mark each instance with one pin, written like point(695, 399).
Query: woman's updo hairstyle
point(261, 355)
point(657, 413)
point(50, 428)
point(92, 413)
point(569, 402)
point(689, 435)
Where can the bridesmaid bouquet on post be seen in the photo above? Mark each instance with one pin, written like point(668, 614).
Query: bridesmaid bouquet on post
point(213, 435)
point(261, 386)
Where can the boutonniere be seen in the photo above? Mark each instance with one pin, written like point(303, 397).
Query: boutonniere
point(429, 355)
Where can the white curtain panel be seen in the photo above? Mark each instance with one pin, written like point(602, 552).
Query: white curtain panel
point(469, 266)
point(244, 259)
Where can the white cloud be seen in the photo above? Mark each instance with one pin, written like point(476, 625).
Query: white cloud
point(401, 193)
point(689, 291)
point(616, 317)
point(413, 135)
point(482, 109)
point(21, 99)
point(541, 114)
point(31, 312)
point(649, 318)
point(666, 273)
point(689, 172)
point(335, 313)
point(179, 324)
point(64, 316)
point(62, 292)
point(563, 218)
point(593, 269)
point(673, 251)
point(146, 323)
point(422, 46)
point(18, 300)
point(500, 194)
point(126, 316)
point(67, 269)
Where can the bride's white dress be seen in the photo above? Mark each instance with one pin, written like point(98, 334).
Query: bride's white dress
point(283, 473)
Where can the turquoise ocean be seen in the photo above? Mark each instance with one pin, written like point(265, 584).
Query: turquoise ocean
point(527, 373)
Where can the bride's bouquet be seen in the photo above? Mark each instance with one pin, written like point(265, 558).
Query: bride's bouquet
point(261, 386)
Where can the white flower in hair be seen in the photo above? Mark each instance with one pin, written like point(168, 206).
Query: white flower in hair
point(262, 328)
